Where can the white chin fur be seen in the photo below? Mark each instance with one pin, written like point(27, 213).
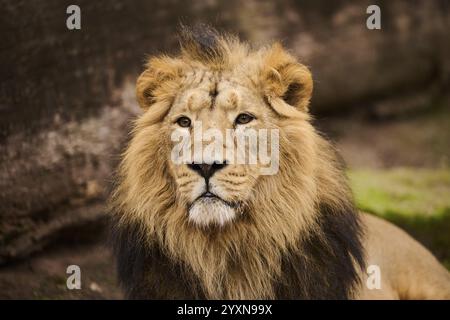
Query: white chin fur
point(210, 211)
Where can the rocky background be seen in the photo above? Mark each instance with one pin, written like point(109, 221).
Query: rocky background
point(66, 99)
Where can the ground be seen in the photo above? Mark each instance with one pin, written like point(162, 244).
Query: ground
point(44, 275)
point(398, 169)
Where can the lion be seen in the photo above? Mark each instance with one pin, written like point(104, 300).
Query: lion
point(222, 230)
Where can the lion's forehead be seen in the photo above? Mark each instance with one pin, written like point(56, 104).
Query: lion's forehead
point(207, 89)
point(204, 77)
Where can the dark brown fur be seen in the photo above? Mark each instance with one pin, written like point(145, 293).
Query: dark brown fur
point(323, 269)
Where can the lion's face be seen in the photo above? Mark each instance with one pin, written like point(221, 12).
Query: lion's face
point(216, 189)
point(236, 94)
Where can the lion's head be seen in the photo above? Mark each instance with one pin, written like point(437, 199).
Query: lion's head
point(226, 222)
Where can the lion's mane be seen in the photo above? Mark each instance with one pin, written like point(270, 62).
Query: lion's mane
point(298, 237)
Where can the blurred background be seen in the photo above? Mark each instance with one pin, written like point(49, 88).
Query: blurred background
point(67, 96)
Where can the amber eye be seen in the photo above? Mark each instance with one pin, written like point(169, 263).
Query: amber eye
point(184, 122)
point(244, 118)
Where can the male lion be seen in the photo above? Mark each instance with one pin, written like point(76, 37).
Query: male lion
point(218, 230)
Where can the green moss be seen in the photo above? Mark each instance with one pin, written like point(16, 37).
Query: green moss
point(418, 200)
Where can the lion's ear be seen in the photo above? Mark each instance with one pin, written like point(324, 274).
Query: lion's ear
point(159, 81)
point(284, 77)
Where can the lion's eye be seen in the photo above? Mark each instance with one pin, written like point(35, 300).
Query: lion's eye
point(244, 118)
point(184, 122)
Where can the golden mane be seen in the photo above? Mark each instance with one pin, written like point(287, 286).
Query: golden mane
point(292, 225)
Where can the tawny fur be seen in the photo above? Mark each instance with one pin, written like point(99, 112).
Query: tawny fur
point(281, 219)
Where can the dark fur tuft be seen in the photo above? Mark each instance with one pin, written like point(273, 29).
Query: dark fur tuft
point(204, 43)
point(144, 271)
point(327, 266)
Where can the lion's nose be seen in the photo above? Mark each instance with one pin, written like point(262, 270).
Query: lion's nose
point(207, 170)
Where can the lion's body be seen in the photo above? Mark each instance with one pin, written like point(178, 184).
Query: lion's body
point(408, 270)
point(235, 233)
